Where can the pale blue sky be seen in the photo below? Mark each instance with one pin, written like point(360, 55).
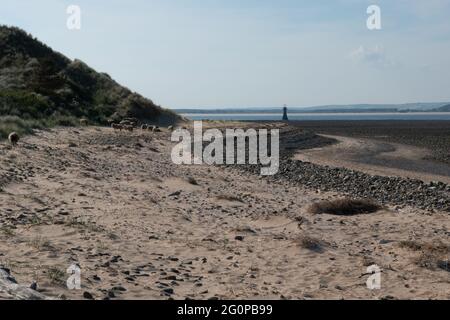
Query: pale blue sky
point(254, 53)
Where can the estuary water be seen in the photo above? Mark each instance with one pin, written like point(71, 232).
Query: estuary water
point(320, 116)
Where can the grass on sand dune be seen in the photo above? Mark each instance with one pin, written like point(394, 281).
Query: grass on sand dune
point(23, 127)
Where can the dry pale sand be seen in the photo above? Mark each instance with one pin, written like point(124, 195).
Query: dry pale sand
point(141, 227)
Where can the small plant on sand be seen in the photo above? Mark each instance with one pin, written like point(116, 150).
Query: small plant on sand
point(35, 221)
point(230, 198)
point(225, 243)
point(41, 243)
point(432, 256)
point(7, 231)
point(102, 247)
point(56, 275)
point(113, 236)
point(411, 245)
point(311, 243)
point(192, 181)
point(83, 225)
point(345, 207)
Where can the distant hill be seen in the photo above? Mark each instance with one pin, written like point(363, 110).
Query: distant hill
point(356, 108)
point(445, 108)
point(37, 82)
point(418, 106)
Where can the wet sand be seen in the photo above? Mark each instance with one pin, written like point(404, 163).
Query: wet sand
point(378, 158)
point(431, 135)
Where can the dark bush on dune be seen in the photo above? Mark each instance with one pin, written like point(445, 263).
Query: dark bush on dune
point(345, 207)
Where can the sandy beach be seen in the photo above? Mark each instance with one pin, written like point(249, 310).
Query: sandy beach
point(140, 227)
point(224, 159)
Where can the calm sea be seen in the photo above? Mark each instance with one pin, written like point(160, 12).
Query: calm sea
point(322, 116)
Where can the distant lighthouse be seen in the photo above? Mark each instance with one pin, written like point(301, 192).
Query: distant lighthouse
point(285, 115)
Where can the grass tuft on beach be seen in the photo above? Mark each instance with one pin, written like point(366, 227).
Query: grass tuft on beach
point(345, 207)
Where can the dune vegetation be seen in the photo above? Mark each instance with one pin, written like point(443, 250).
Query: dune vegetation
point(40, 87)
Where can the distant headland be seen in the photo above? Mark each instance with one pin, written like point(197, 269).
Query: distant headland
point(352, 108)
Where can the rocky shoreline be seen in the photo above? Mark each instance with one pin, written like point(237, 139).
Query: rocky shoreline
point(386, 190)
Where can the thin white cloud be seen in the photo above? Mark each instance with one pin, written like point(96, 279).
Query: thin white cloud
point(374, 56)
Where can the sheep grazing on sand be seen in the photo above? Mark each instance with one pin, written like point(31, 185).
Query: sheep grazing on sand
point(144, 127)
point(156, 129)
point(13, 138)
point(129, 128)
point(129, 123)
point(116, 126)
point(83, 122)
